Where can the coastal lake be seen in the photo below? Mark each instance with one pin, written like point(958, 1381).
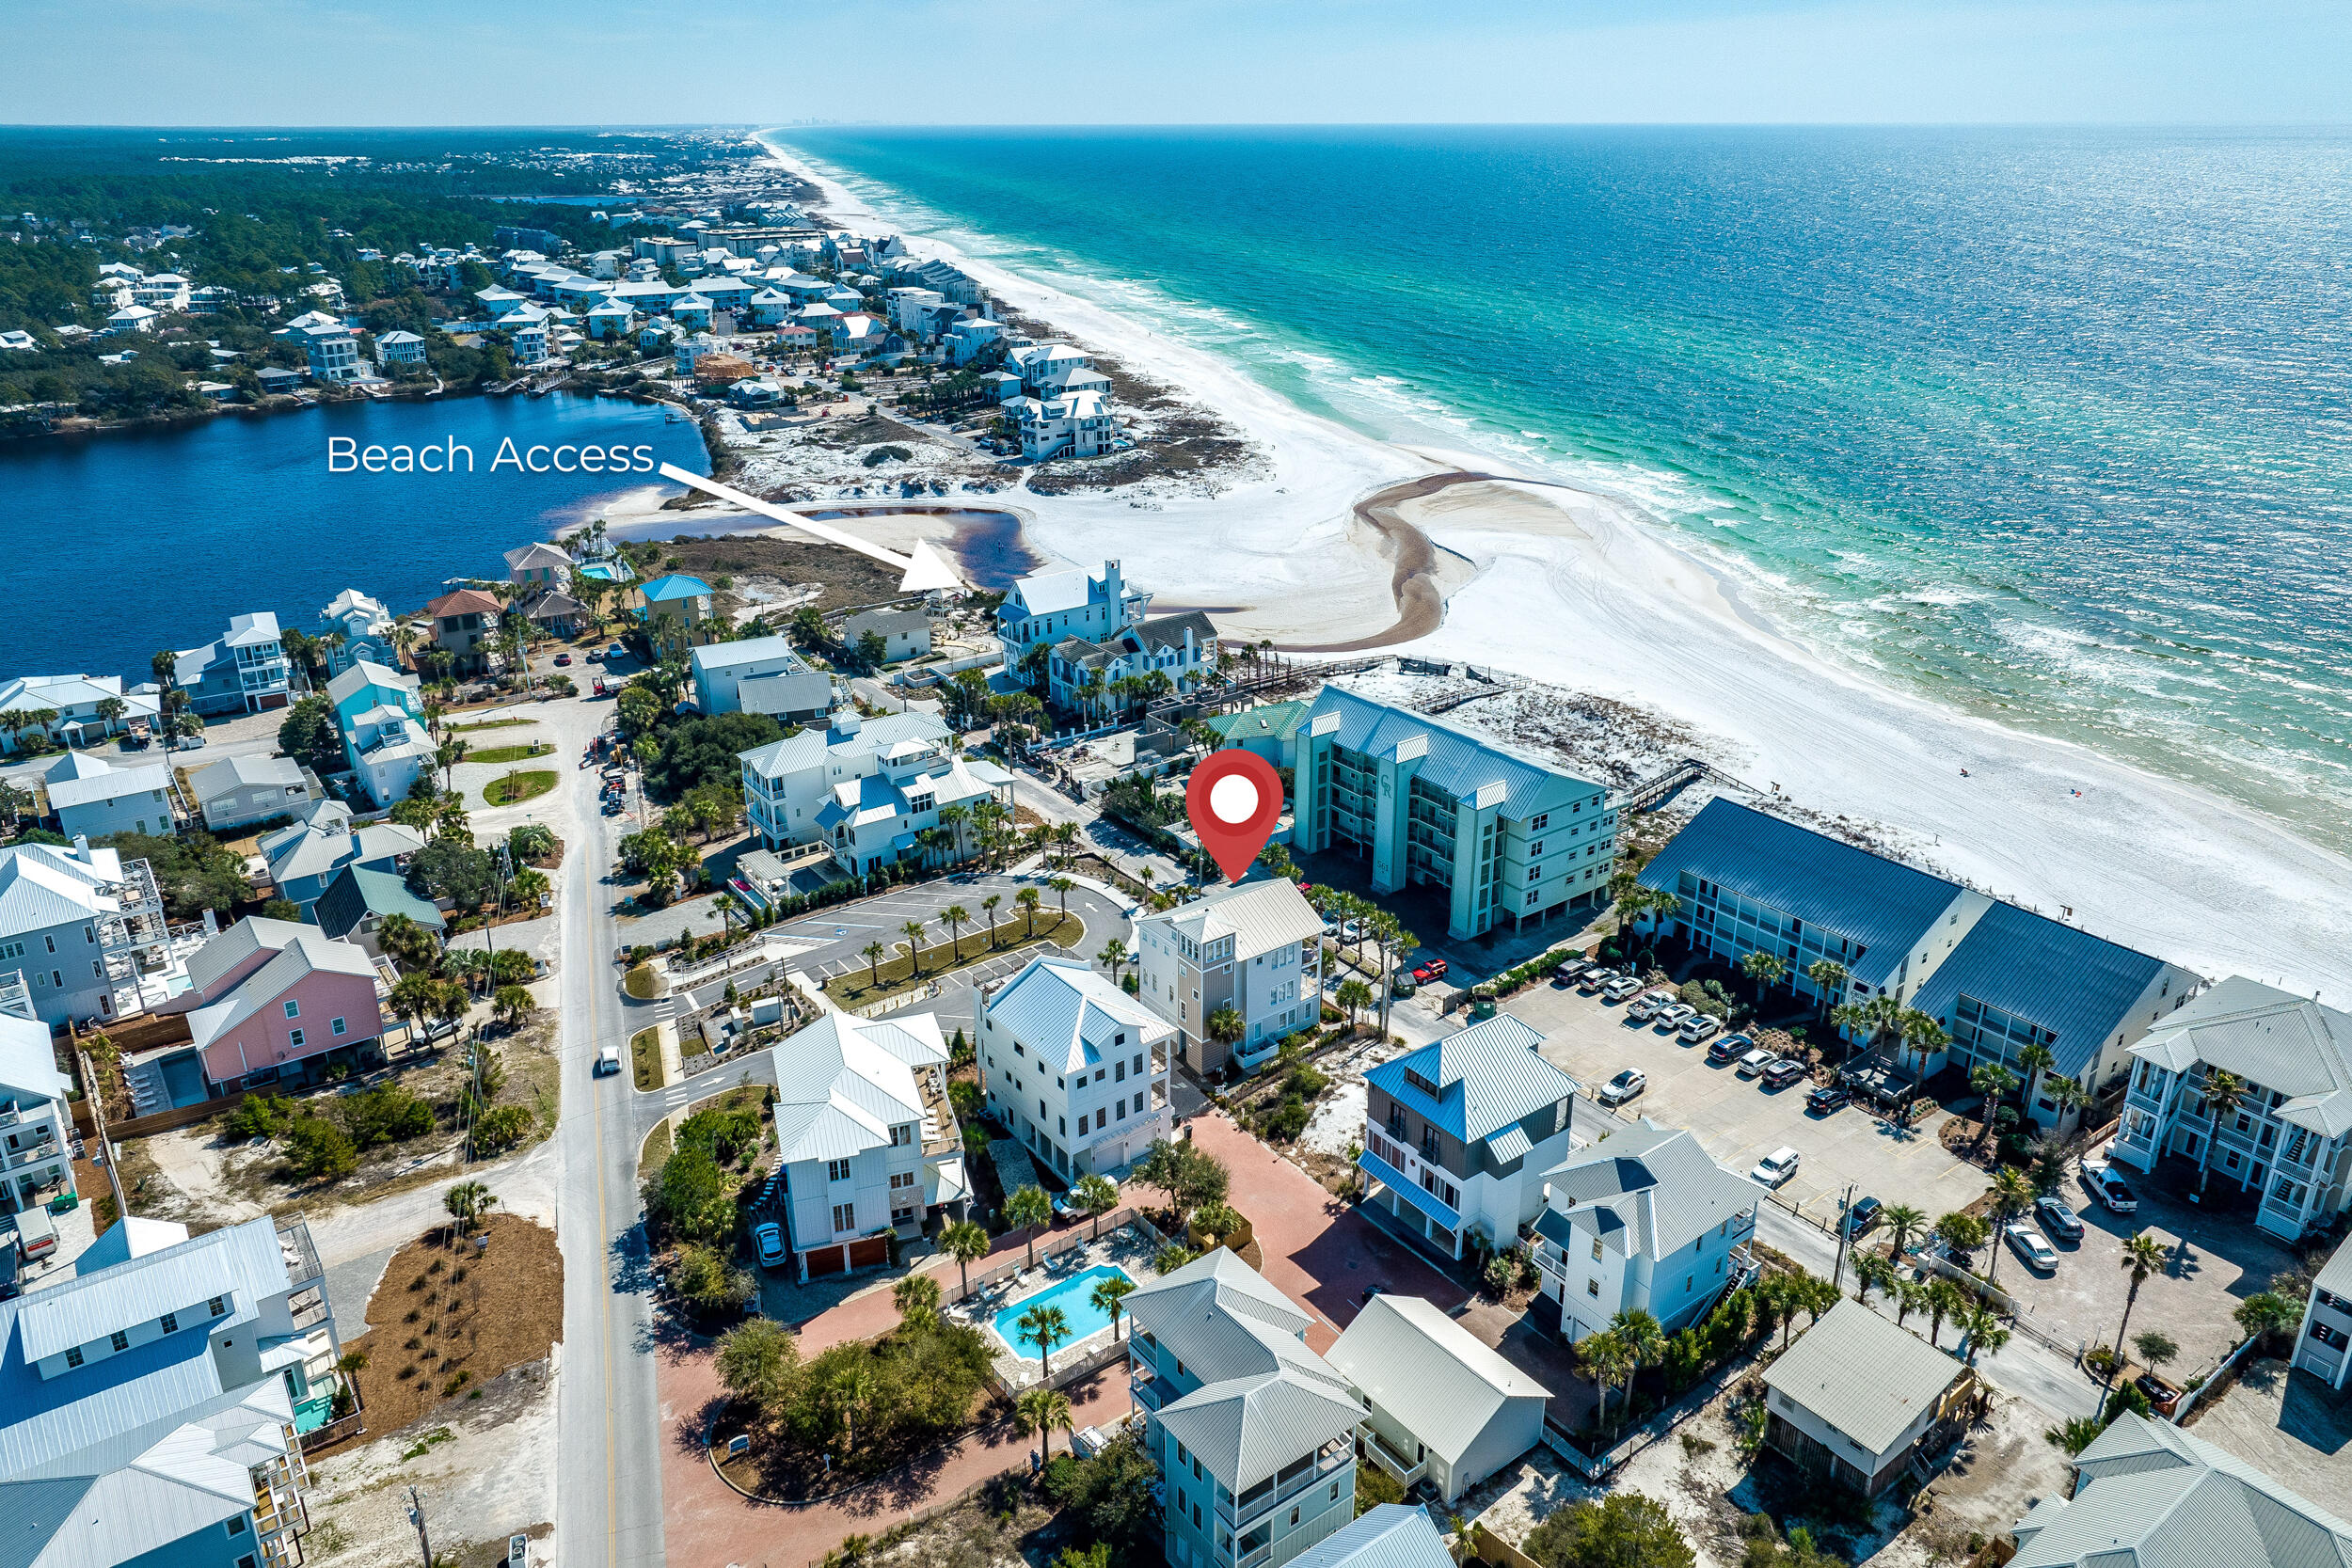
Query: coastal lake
point(141, 540)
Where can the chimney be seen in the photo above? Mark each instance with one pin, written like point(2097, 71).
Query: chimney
point(81, 847)
point(1111, 590)
point(212, 924)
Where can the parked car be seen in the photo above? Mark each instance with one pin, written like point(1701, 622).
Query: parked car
point(1618, 989)
point(2027, 1243)
point(1863, 1215)
point(1401, 984)
point(2162, 1396)
point(614, 651)
point(2057, 1218)
point(1433, 970)
point(599, 685)
point(1754, 1062)
point(1623, 1086)
point(1825, 1097)
point(1649, 1004)
point(563, 660)
point(2109, 1188)
point(1729, 1048)
point(1775, 1167)
point(1569, 971)
point(768, 1239)
point(1595, 978)
point(1698, 1027)
point(1783, 1073)
point(608, 1060)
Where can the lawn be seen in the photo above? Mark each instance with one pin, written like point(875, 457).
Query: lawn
point(642, 982)
point(511, 753)
point(517, 787)
point(859, 987)
point(644, 1054)
point(448, 1321)
point(486, 724)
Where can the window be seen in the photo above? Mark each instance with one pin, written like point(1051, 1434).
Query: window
point(293, 1037)
point(336, 1027)
point(1535, 825)
point(1293, 1516)
point(844, 1216)
point(1335, 1492)
point(118, 1340)
point(1139, 1069)
point(236, 1526)
point(73, 1355)
point(902, 1134)
point(293, 1009)
point(218, 1306)
point(1595, 1250)
point(171, 1323)
point(837, 1170)
point(1592, 1287)
point(1121, 1075)
point(2327, 1335)
point(902, 1178)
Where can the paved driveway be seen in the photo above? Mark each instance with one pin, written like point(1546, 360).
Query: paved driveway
point(1740, 1121)
point(2290, 1426)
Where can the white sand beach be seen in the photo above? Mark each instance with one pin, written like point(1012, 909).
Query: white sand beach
point(1572, 587)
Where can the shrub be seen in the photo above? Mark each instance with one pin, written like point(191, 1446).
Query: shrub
point(710, 1286)
point(1626, 1527)
point(386, 1114)
point(1109, 1498)
point(1286, 1120)
point(262, 1116)
point(1498, 1275)
point(500, 1129)
point(317, 1148)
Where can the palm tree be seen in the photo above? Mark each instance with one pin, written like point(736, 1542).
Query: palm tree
point(2143, 1254)
point(1044, 1328)
point(1040, 1411)
point(2066, 1094)
point(2224, 1091)
point(1029, 1208)
point(1355, 996)
point(1910, 1297)
point(1098, 1195)
point(2012, 1194)
point(1871, 1272)
point(988, 908)
point(1225, 1025)
point(1766, 968)
point(1943, 1300)
point(1062, 885)
point(1643, 1341)
point(953, 818)
point(916, 1297)
point(2033, 1061)
point(1829, 978)
point(872, 954)
point(957, 918)
point(1109, 1297)
point(1394, 938)
point(1028, 899)
point(1923, 1037)
point(966, 1242)
point(1608, 1361)
point(912, 931)
point(1903, 1222)
point(1983, 1330)
point(1991, 1080)
point(1114, 953)
point(465, 1203)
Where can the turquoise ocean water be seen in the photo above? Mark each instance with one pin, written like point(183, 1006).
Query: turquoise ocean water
point(2054, 426)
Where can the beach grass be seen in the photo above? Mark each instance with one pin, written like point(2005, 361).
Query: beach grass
point(515, 787)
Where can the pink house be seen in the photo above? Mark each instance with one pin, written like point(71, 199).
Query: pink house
point(274, 1000)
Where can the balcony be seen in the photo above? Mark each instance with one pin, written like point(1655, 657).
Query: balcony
point(1295, 1478)
point(1404, 1471)
point(1145, 1389)
point(16, 1159)
point(302, 1259)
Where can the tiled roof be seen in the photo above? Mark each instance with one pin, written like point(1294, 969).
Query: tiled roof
point(1864, 1375)
point(1457, 763)
point(1428, 1371)
point(2077, 986)
point(1882, 906)
point(1488, 1077)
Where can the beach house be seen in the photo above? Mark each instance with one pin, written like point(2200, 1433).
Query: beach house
point(1254, 949)
point(85, 928)
point(94, 799)
point(1441, 1407)
point(1253, 1433)
point(1183, 648)
point(894, 811)
point(71, 710)
point(358, 899)
point(35, 1124)
point(242, 670)
point(678, 615)
point(1390, 1535)
point(381, 716)
point(466, 628)
point(1997, 977)
point(238, 792)
point(1641, 1219)
point(2323, 1346)
point(2286, 1145)
point(788, 783)
point(1495, 833)
point(270, 1002)
point(1458, 1134)
point(154, 1407)
point(1077, 423)
point(356, 627)
point(305, 856)
point(538, 565)
point(1857, 1397)
point(1046, 606)
point(867, 1141)
point(760, 674)
point(903, 633)
point(1076, 1066)
point(2147, 1492)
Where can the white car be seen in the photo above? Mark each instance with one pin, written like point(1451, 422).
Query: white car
point(1648, 1005)
point(608, 1060)
point(2027, 1243)
point(1618, 989)
point(1754, 1062)
point(1672, 1016)
point(1775, 1167)
point(768, 1239)
point(1697, 1029)
point(1623, 1086)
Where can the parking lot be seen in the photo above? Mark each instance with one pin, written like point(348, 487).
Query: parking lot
point(1740, 1121)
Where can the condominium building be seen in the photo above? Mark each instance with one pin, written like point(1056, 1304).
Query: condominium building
point(1255, 949)
point(1497, 834)
point(153, 1408)
point(870, 1142)
point(1642, 1219)
point(1076, 1066)
point(85, 927)
point(2287, 1143)
point(1457, 1134)
point(1253, 1433)
point(2323, 1347)
point(35, 1126)
point(1997, 977)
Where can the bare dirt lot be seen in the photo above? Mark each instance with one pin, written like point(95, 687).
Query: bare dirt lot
point(456, 1318)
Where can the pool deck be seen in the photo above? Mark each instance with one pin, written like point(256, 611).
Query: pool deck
point(1126, 1249)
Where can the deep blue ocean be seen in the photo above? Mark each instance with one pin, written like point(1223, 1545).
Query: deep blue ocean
point(2051, 425)
point(121, 543)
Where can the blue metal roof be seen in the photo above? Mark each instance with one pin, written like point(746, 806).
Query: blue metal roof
point(2077, 986)
point(1488, 1077)
point(1399, 1183)
point(1393, 1535)
point(1459, 762)
point(675, 586)
point(1882, 906)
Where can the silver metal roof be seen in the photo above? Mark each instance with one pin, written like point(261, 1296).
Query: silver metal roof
point(2266, 1037)
point(1488, 1077)
point(1863, 1374)
point(1648, 1189)
point(1393, 1535)
point(1427, 1370)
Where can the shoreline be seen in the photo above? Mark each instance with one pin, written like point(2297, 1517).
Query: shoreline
point(1572, 587)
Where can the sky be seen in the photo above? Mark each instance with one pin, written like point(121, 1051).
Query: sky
point(1083, 62)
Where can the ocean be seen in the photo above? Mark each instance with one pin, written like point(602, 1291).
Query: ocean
point(2051, 426)
point(131, 541)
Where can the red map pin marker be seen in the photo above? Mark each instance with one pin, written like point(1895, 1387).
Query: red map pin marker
point(1234, 800)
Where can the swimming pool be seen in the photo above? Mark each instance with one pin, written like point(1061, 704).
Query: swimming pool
point(1071, 1296)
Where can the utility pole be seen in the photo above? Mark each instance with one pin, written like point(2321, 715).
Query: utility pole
point(95, 1094)
point(416, 1516)
point(1845, 1233)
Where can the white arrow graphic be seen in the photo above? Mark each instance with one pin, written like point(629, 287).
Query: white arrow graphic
point(923, 570)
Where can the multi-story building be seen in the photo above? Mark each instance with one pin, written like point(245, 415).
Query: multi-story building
point(237, 792)
point(1046, 606)
point(904, 633)
point(304, 856)
point(466, 627)
point(1458, 1134)
point(86, 930)
point(1858, 1396)
point(1181, 647)
point(789, 783)
point(1254, 1433)
point(1999, 978)
point(2147, 1492)
point(2323, 1346)
point(270, 1002)
point(868, 1138)
point(1076, 1066)
point(398, 348)
point(1253, 947)
point(69, 708)
point(1071, 424)
point(1499, 835)
point(381, 716)
point(244, 670)
point(1391, 1535)
point(1269, 730)
point(1443, 1408)
point(2288, 1144)
point(97, 800)
point(679, 614)
point(356, 627)
point(887, 815)
point(36, 1128)
point(1640, 1219)
point(760, 674)
point(153, 1407)
point(538, 565)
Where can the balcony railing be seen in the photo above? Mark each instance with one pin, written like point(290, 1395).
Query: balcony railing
point(1256, 1559)
point(17, 1157)
point(1147, 1392)
point(1405, 1471)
